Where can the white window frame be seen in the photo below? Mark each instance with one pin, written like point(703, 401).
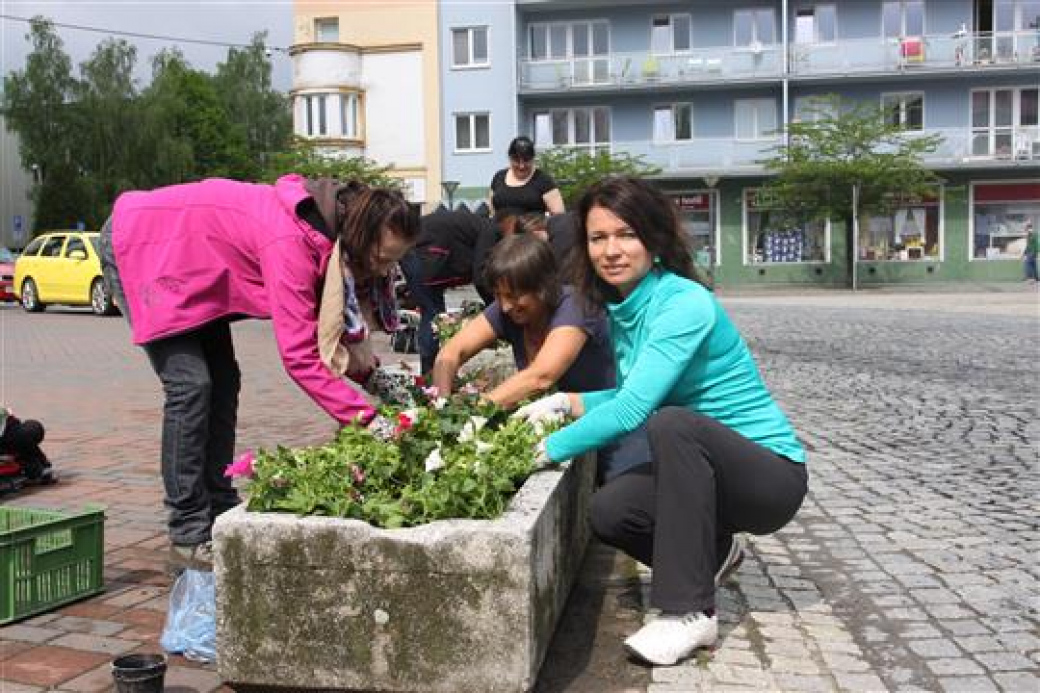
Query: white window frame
point(472, 63)
point(571, 129)
point(971, 217)
point(671, 16)
point(903, 97)
point(941, 257)
point(801, 110)
point(992, 130)
point(815, 7)
point(760, 135)
point(548, 27)
point(673, 106)
point(350, 109)
point(756, 40)
point(320, 23)
point(902, 18)
point(472, 116)
point(744, 239)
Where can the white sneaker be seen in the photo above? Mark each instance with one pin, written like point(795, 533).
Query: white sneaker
point(670, 638)
point(732, 561)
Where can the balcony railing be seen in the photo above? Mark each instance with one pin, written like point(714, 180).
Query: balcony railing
point(934, 52)
point(959, 147)
point(724, 64)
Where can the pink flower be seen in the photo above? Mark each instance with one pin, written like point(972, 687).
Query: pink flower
point(404, 422)
point(242, 466)
point(357, 474)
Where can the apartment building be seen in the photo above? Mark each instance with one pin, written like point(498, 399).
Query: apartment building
point(366, 83)
point(705, 88)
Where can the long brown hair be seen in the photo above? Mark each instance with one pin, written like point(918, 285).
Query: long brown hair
point(650, 214)
point(362, 213)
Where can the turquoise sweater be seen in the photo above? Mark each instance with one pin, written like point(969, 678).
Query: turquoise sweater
point(675, 346)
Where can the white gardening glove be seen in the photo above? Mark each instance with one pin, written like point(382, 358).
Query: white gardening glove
point(553, 408)
point(542, 461)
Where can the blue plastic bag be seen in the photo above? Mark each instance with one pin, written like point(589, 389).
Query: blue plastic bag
point(191, 622)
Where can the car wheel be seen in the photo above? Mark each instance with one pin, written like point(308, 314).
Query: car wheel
point(31, 297)
point(101, 299)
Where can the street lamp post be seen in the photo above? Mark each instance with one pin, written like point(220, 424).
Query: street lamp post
point(450, 186)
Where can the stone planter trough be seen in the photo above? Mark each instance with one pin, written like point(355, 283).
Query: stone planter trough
point(456, 606)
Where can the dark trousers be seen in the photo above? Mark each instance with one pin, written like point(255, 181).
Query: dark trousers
point(678, 513)
point(201, 381)
point(22, 439)
point(430, 301)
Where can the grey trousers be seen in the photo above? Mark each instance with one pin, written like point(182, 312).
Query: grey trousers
point(678, 513)
point(201, 381)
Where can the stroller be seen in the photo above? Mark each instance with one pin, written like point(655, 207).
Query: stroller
point(22, 461)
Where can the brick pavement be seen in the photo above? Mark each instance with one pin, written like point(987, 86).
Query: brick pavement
point(911, 567)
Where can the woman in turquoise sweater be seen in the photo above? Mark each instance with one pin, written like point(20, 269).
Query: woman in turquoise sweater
point(723, 457)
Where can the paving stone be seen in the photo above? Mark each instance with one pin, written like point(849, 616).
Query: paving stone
point(953, 667)
point(96, 643)
point(76, 624)
point(967, 684)
point(934, 649)
point(48, 665)
point(1018, 682)
point(1005, 661)
point(23, 633)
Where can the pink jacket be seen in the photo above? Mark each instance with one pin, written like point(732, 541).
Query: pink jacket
point(189, 254)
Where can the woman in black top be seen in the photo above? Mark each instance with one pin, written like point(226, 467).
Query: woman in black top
point(524, 188)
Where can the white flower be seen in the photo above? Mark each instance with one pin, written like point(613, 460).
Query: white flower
point(440, 403)
point(470, 428)
point(434, 461)
point(412, 414)
point(484, 447)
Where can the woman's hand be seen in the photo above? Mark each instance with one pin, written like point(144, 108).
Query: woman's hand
point(555, 407)
point(382, 428)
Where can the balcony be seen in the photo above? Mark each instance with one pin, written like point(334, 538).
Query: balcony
point(960, 148)
point(647, 70)
point(968, 52)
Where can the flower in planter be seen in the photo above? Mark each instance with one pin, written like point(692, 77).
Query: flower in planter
point(242, 466)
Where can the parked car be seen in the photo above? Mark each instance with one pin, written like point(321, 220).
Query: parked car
point(62, 267)
point(7, 259)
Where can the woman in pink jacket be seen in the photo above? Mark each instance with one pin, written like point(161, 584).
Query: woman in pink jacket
point(186, 260)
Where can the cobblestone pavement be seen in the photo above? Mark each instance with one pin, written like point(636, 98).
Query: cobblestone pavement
point(911, 566)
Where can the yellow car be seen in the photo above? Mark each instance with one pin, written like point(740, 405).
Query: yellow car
point(62, 267)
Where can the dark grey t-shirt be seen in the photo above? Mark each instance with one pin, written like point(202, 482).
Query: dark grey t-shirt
point(594, 367)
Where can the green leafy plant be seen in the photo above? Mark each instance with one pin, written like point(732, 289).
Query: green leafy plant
point(576, 169)
point(447, 325)
point(458, 458)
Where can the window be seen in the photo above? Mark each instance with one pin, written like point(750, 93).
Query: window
point(350, 116)
point(326, 29)
point(909, 232)
point(1003, 216)
point(771, 238)
point(573, 127)
point(673, 122)
point(1004, 123)
point(902, 18)
point(75, 243)
point(52, 248)
point(697, 214)
point(469, 47)
point(905, 110)
point(330, 114)
point(816, 24)
point(33, 247)
point(548, 41)
point(472, 132)
point(670, 33)
point(753, 27)
point(755, 119)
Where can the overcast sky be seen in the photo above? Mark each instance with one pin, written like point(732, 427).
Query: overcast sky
point(220, 21)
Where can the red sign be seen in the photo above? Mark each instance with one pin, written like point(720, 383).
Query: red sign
point(696, 202)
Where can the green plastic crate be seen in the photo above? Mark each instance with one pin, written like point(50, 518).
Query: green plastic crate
point(48, 558)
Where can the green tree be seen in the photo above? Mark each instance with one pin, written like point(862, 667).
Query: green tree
point(576, 169)
point(846, 160)
point(261, 114)
point(105, 114)
point(307, 159)
point(35, 105)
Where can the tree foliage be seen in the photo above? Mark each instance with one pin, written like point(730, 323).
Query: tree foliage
point(840, 147)
point(308, 159)
point(576, 169)
point(89, 138)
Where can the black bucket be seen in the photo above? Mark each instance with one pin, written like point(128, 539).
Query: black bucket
point(139, 673)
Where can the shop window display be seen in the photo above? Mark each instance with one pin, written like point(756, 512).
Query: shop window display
point(1003, 216)
point(773, 239)
point(697, 214)
point(909, 232)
